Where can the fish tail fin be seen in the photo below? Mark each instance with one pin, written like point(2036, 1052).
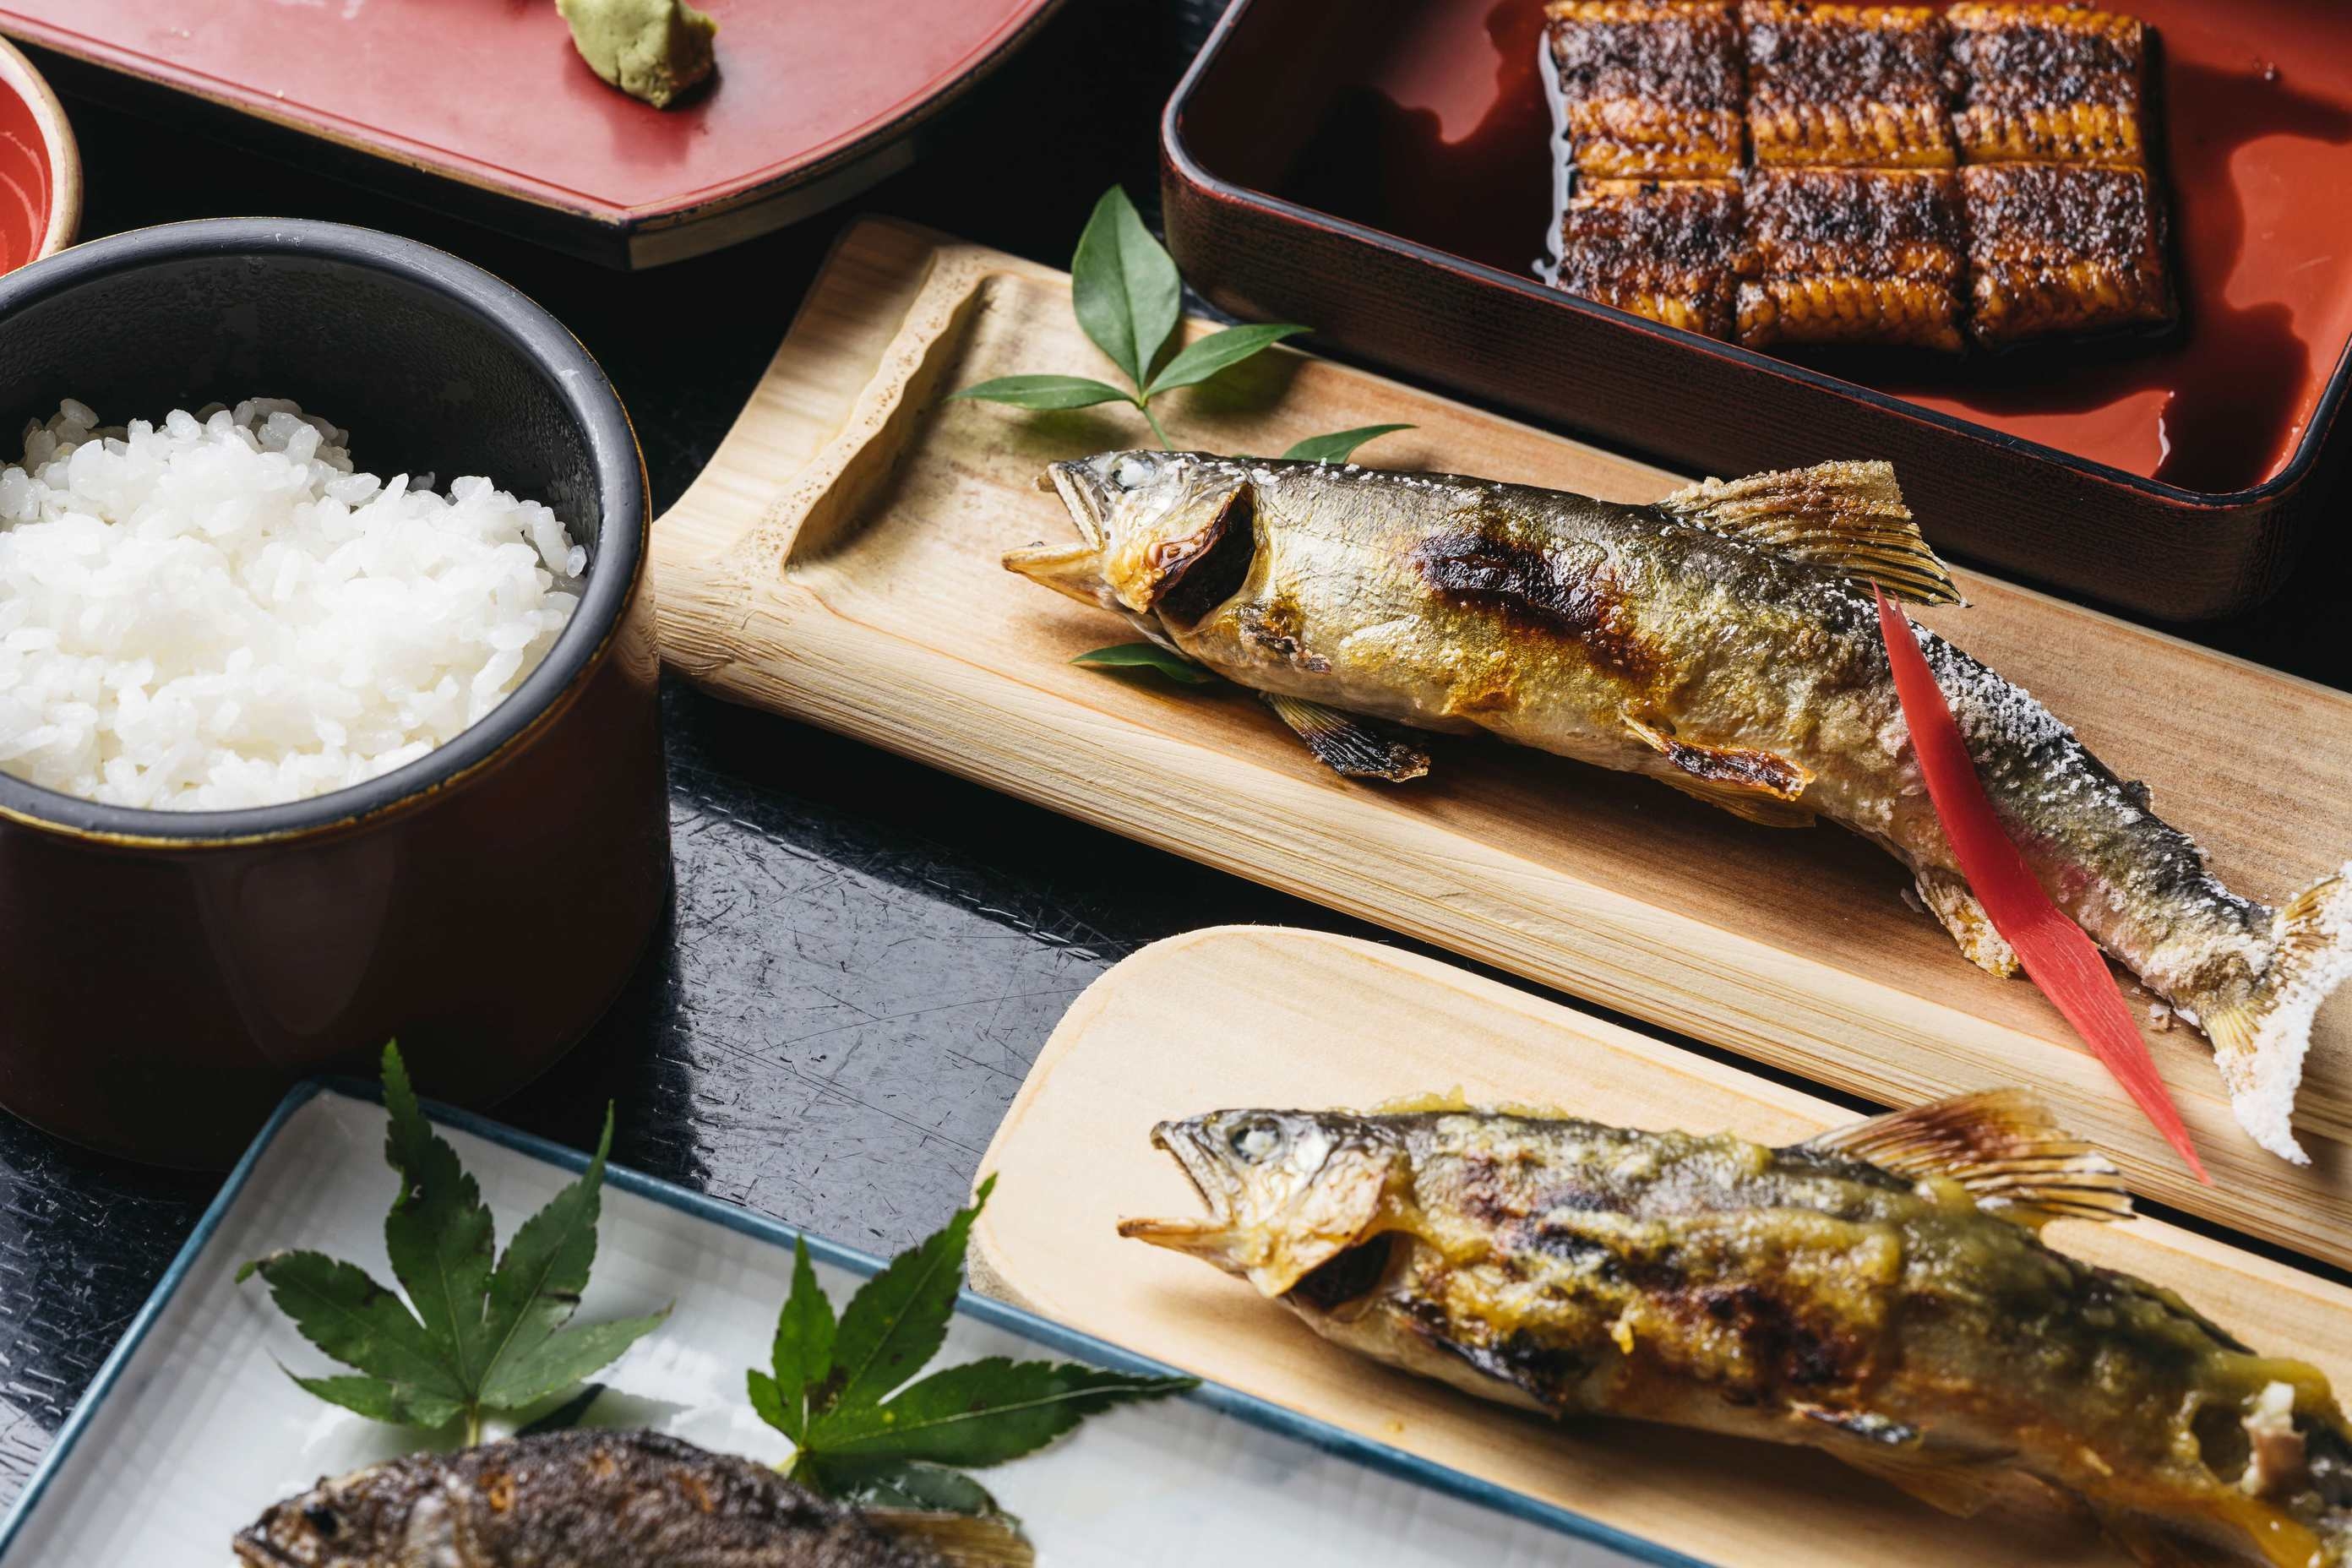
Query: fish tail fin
point(2258, 1039)
point(1849, 518)
point(959, 1539)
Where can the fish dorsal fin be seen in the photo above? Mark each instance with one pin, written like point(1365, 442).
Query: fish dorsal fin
point(1847, 516)
point(2001, 1145)
point(959, 1539)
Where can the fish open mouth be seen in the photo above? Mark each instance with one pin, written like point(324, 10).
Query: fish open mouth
point(1277, 1215)
point(1205, 1235)
point(1081, 489)
point(1074, 569)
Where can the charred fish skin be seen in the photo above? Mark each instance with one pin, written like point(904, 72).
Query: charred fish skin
point(1800, 1295)
point(569, 1500)
point(1723, 641)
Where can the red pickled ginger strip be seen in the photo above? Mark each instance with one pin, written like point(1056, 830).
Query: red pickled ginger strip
point(2058, 957)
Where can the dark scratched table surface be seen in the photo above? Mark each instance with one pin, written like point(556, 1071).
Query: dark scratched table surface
point(863, 956)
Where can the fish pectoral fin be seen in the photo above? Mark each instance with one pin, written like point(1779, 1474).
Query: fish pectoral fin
point(1847, 516)
point(2149, 1542)
point(2001, 1145)
point(1947, 898)
point(961, 1540)
point(1349, 746)
point(1760, 786)
point(1962, 1487)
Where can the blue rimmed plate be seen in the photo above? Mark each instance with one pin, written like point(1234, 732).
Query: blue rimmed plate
point(190, 1428)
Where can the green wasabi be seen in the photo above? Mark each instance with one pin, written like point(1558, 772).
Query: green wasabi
point(652, 49)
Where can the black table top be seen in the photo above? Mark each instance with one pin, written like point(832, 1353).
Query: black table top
point(863, 956)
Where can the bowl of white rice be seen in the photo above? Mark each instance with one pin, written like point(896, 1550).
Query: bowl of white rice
point(328, 705)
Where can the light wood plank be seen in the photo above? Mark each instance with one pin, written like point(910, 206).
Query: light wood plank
point(838, 562)
point(1267, 1017)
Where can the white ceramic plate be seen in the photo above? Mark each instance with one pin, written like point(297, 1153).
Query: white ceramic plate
point(191, 1428)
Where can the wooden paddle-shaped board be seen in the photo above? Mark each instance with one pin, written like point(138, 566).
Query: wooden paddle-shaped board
point(1235, 1017)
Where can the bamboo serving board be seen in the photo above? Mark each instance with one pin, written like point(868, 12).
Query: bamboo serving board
point(1235, 1017)
point(838, 561)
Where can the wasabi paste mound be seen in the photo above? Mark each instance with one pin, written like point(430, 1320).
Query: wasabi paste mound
point(652, 49)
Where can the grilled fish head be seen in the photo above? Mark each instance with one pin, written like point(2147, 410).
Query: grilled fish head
point(1288, 1192)
point(343, 1519)
point(1165, 534)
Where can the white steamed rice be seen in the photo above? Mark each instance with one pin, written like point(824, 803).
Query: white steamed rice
point(218, 612)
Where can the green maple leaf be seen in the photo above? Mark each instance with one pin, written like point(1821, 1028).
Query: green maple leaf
point(864, 1427)
point(478, 1333)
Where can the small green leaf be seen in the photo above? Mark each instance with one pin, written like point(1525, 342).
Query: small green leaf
point(538, 1284)
point(1123, 287)
point(566, 1415)
point(1148, 655)
point(898, 1319)
point(900, 1483)
point(358, 1321)
point(380, 1401)
point(984, 1412)
point(1197, 361)
point(438, 1233)
point(558, 1361)
point(1339, 446)
point(769, 1404)
point(803, 1354)
point(1044, 392)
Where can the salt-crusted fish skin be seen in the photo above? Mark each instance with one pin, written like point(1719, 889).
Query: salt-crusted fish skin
point(1881, 1293)
point(587, 1499)
point(1723, 641)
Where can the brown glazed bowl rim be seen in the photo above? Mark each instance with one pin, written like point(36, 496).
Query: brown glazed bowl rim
point(619, 554)
point(2188, 504)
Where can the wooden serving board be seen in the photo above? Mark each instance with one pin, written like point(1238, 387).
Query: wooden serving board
point(1237, 1016)
point(838, 561)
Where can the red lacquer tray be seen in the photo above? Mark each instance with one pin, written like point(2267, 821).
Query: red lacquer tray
point(814, 100)
point(1386, 175)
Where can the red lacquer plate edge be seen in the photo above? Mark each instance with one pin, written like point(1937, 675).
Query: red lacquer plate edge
point(806, 168)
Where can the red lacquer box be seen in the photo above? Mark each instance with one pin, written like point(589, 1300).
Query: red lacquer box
point(1386, 173)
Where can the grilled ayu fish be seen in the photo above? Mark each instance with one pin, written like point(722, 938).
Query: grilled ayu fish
point(599, 1500)
point(1723, 641)
point(1878, 1293)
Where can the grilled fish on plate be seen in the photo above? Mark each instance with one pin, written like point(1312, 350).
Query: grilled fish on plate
point(1880, 1293)
point(1722, 641)
point(601, 1500)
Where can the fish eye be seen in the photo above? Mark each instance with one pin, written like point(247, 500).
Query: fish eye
point(322, 1519)
point(1255, 1139)
point(1130, 473)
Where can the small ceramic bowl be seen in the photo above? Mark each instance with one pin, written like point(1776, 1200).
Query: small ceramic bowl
point(40, 167)
point(169, 973)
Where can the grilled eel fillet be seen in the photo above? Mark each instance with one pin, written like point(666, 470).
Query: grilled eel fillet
point(1854, 256)
point(1847, 86)
point(1669, 250)
point(2042, 83)
point(2058, 247)
point(1652, 87)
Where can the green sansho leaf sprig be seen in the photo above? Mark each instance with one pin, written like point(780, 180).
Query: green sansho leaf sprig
point(1127, 297)
point(1148, 655)
point(478, 1333)
point(863, 1432)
